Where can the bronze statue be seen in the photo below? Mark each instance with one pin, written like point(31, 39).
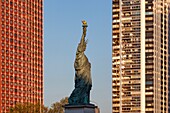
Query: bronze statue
point(83, 82)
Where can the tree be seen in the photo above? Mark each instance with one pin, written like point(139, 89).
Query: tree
point(58, 106)
point(28, 108)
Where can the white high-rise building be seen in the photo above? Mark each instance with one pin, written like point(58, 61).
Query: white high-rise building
point(140, 56)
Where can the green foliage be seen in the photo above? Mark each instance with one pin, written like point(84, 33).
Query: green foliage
point(28, 108)
point(58, 106)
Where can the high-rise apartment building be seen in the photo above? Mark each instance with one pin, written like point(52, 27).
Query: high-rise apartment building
point(21, 52)
point(169, 58)
point(140, 56)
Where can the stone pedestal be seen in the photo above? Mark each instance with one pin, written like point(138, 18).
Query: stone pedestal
point(81, 109)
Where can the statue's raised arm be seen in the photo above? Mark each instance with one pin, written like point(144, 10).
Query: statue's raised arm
point(82, 44)
point(83, 82)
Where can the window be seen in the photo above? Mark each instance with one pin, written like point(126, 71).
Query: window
point(149, 82)
point(7, 15)
point(3, 32)
point(11, 28)
point(11, 70)
point(3, 13)
point(148, 13)
point(3, 82)
point(7, 58)
point(7, 51)
point(2, 6)
point(11, 89)
point(7, 2)
point(3, 63)
point(15, 35)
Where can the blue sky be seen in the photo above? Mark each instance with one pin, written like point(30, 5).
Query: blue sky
point(62, 33)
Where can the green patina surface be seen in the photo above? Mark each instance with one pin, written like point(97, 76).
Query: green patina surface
point(83, 82)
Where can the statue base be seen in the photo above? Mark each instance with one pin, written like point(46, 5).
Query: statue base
point(81, 108)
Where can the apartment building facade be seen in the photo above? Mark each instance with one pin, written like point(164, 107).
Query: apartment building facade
point(21, 52)
point(140, 56)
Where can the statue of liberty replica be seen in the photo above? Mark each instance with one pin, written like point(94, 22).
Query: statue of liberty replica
point(83, 82)
point(79, 99)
